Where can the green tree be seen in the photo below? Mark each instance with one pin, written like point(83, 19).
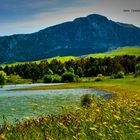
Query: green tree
point(71, 70)
point(68, 77)
point(120, 74)
point(79, 72)
point(7, 70)
point(56, 66)
point(3, 78)
point(57, 78)
point(117, 68)
point(34, 72)
point(137, 68)
point(48, 78)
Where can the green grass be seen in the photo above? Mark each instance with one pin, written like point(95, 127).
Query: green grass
point(62, 58)
point(115, 119)
point(59, 58)
point(128, 81)
point(15, 79)
point(119, 52)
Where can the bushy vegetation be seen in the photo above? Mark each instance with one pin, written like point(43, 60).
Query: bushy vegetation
point(116, 118)
point(68, 77)
point(52, 79)
point(3, 78)
point(120, 74)
point(48, 79)
point(87, 100)
point(137, 68)
point(84, 67)
point(16, 79)
point(99, 77)
point(57, 79)
point(113, 119)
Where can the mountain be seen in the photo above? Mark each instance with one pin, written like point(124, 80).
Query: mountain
point(91, 34)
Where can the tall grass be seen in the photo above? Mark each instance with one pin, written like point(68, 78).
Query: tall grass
point(115, 119)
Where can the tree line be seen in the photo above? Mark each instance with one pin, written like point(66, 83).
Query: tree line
point(82, 67)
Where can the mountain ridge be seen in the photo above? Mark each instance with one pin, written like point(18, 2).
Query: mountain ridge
point(121, 23)
point(84, 35)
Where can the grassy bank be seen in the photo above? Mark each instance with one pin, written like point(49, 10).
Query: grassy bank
point(15, 79)
point(115, 119)
point(128, 85)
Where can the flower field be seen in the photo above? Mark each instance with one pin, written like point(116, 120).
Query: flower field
point(115, 119)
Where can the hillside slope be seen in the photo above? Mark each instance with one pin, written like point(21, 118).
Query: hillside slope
point(85, 35)
point(119, 52)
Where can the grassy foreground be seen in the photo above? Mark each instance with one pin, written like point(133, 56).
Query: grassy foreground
point(115, 119)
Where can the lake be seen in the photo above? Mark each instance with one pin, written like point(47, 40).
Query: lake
point(19, 104)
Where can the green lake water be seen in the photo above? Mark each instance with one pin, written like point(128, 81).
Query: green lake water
point(19, 104)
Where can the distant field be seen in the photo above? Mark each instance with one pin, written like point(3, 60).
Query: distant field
point(119, 52)
point(60, 58)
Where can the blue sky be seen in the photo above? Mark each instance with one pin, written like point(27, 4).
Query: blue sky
point(26, 16)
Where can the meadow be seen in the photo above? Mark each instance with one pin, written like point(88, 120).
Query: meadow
point(119, 52)
point(71, 111)
point(115, 119)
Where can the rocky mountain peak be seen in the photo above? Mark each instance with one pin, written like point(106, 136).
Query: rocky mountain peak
point(84, 35)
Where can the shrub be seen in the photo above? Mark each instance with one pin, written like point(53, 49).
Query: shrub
point(71, 70)
point(137, 70)
point(52, 79)
point(3, 78)
point(99, 77)
point(68, 77)
point(56, 79)
point(120, 74)
point(48, 79)
point(86, 100)
point(49, 72)
point(136, 74)
point(76, 78)
point(80, 72)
